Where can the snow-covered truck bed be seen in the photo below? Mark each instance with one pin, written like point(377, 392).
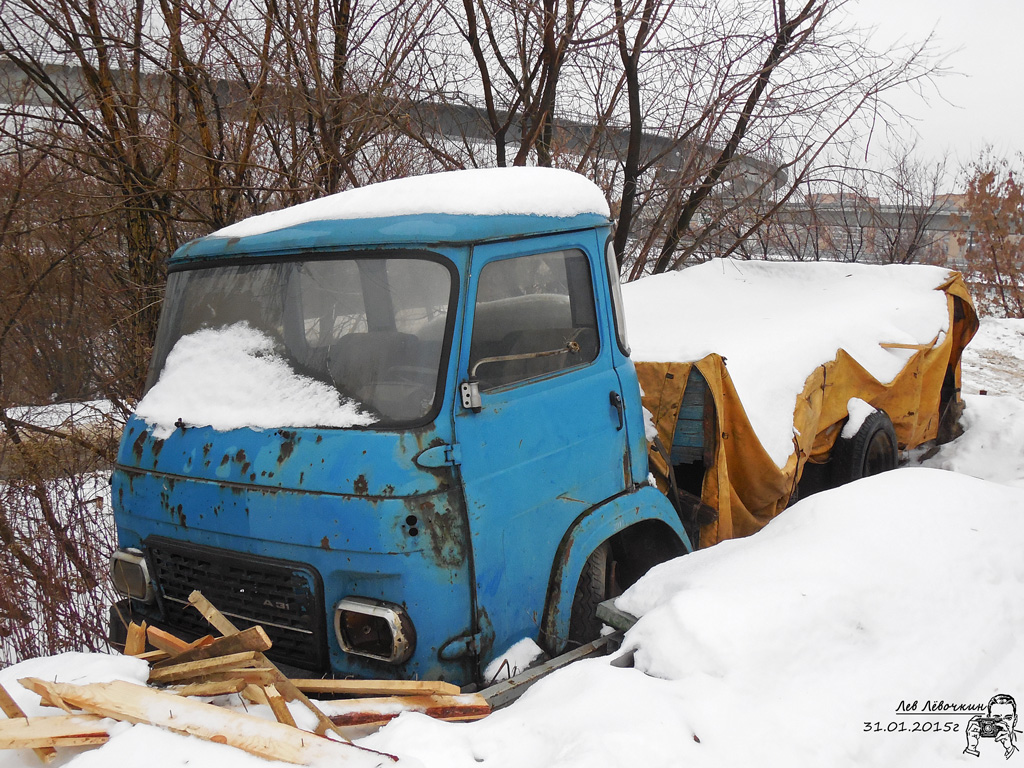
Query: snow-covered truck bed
point(758, 375)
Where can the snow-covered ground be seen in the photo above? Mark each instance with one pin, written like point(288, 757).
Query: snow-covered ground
point(866, 626)
point(994, 361)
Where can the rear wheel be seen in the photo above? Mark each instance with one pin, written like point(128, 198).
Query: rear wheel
point(873, 449)
point(595, 586)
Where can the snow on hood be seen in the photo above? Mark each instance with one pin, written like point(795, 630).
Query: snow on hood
point(227, 378)
point(476, 192)
point(774, 323)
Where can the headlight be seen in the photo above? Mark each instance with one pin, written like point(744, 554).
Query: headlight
point(130, 575)
point(373, 628)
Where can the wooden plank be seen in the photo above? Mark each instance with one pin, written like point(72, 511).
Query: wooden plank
point(253, 639)
point(278, 705)
point(380, 710)
point(138, 704)
point(215, 688)
point(135, 644)
point(48, 697)
point(45, 733)
point(252, 676)
point(895, 345)
point(153, 656)
point(291, 693)
point(216, 619)
point(376, 687)
point(9, 705)
point(192, 669)
point(254, 694)
point(165, 641)
point(221, 623)
point(11, 709)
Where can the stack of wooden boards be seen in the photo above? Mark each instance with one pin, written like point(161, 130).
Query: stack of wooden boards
point(233, 663)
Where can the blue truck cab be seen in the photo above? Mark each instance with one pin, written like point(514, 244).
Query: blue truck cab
point(478, 474)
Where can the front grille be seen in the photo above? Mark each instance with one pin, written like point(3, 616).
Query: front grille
point(283, 597)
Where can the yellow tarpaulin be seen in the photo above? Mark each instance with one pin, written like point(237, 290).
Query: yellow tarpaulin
point(742, 482)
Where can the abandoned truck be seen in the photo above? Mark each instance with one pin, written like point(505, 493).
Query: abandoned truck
point(400, 428)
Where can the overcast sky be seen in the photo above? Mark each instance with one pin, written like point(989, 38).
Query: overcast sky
point(986, 93)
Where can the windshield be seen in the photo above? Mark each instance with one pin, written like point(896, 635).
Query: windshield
point(372, 327)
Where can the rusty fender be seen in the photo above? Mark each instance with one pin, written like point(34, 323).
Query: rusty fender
point(587, 533)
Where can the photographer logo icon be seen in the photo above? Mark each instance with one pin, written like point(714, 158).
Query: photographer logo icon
point(998, 724)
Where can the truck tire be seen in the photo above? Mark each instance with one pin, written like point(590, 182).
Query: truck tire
point(593, 588)
point(871, 451)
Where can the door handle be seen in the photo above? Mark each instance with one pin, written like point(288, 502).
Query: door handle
point(620, 407)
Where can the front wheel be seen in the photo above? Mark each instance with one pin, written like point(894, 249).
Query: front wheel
point(595, 586)
point(873, 449)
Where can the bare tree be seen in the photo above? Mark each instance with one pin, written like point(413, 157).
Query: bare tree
point(55, 537)
point(846, 213)
point(708, 118)
point(911, 203)
point(517, 50)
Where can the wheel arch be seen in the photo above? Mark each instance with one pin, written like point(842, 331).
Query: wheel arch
point(644, 513)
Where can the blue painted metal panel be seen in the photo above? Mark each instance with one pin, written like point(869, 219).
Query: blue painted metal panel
point(423, 230)
point(536, 456)
point(409, 550)
point(356, 462)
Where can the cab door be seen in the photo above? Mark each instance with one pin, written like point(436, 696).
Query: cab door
point(546, 440)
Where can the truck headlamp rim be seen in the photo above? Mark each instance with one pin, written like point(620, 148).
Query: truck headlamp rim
point(129, 575)
point(392, 637)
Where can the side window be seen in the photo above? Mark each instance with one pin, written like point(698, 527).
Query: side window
point(618, 311)
point(534, 316)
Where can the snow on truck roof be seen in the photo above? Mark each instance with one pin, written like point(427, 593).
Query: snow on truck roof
point(775, 322)
point(518, 191)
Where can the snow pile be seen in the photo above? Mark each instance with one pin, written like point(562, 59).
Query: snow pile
point(77, 668)
point(513, 661)
point(992, 445)
point(476, 192)
point(776, 322)
point(898, 588)
point(231, 377)
point(858, 411)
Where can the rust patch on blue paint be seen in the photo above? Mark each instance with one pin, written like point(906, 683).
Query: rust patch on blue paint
point(139, 444)
point(442, 528)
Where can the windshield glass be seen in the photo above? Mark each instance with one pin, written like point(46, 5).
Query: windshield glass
point(372, 328)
